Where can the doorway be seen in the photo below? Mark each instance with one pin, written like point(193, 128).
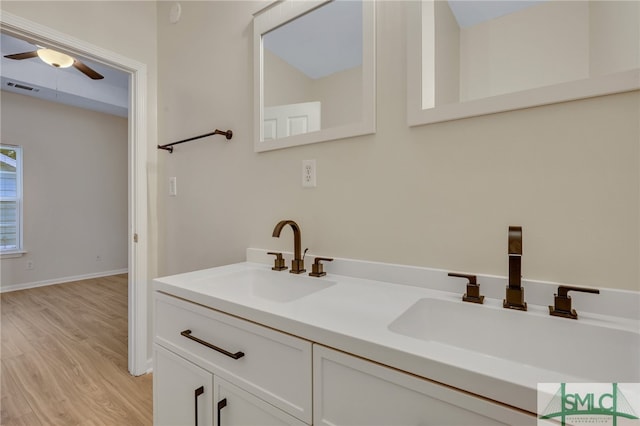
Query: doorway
point(138, 361)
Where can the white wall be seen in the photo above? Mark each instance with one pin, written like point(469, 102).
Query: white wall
point(440, 195)
point(75, 190)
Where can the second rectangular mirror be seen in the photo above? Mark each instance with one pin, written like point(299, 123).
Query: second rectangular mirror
point(469, 58)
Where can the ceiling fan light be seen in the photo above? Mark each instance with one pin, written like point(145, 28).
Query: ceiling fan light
point(55, 58)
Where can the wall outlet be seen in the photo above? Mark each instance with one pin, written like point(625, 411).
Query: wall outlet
point(309, 173)
point(30, 265)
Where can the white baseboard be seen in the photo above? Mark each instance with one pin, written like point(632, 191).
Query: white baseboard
point(23, 286)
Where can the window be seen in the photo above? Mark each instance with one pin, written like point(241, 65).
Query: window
point(10, 199)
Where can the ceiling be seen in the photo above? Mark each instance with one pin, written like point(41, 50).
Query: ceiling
point(472, 12)
point(322, 42)
point(32, 77)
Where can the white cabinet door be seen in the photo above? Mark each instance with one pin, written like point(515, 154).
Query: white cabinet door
point(351, 391)
point(236, 407)
point(182, 391)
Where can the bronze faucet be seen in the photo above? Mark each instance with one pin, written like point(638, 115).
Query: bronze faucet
point(297, 264)
point(515, 293)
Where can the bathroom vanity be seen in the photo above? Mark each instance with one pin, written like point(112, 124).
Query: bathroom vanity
point(369, 344)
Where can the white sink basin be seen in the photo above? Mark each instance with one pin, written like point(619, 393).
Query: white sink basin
point(578, 348)
point(275, 286)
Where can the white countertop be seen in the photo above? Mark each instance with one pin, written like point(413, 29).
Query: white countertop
point(354, 316)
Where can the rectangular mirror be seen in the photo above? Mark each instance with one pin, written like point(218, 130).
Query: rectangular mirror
point(469, 58)
point(314, 72)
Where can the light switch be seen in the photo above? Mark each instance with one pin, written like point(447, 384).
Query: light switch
point(173, 189)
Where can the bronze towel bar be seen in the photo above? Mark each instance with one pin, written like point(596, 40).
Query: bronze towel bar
point(169, 147)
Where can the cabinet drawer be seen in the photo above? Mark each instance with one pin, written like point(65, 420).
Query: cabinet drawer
point(273, 366)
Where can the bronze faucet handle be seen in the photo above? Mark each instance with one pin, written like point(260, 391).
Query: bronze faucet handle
point(317, 267)
point(473, 288)
point(278, 261)
point(562, 301)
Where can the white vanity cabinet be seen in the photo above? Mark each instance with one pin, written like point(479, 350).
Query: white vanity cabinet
point(264, 375)
point(351, 391)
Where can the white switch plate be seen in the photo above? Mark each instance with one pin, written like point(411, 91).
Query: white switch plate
point(309, 173)
point(173, 188)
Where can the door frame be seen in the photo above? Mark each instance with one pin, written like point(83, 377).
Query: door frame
point(138, 360)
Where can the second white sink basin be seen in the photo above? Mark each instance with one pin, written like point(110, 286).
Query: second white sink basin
point(265, 284)
point(574, 347)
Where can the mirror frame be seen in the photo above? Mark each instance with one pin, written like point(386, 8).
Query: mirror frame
point(281, 12)
point(579, 89)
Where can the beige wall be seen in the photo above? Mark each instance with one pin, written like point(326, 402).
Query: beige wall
point(538, 46)
point(580, 39)
point(440, 195)
point(615, 36)
point(127, 28)
point(75, 190)
point(284, 84)
point(340, 94)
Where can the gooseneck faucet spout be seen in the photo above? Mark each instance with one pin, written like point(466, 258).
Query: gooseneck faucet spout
point(297, 264)
point(515, 293)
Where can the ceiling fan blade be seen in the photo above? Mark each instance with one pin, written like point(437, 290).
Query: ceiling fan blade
point(86, 70)
point(25, 55)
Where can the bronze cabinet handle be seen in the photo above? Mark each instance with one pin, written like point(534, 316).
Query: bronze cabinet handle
point(187, 334)
point(197, 393)
point(562, 301)
point(221, 405)
point(473, 288)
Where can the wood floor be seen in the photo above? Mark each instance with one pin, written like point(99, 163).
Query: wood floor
point(63, 352)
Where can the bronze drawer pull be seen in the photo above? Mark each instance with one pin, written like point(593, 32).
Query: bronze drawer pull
point(187, 334)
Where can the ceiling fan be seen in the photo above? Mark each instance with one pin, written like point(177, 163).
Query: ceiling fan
point(58, 60)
